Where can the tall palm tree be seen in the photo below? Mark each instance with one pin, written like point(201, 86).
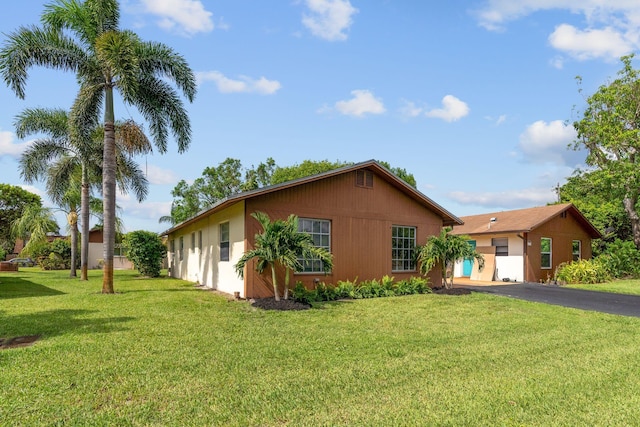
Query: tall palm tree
point(34, 224)
point(84, 37)
point(281, 244)
point(444, 250)
point(60, 157)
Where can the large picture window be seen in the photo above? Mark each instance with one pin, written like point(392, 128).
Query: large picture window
point(545, 252)
point(320, 232)
point(224, 241)
point(403, 246)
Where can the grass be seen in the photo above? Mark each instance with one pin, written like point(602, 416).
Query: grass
point(161, 352)
point(631, 287)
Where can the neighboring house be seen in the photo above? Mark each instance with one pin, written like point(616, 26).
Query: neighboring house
point(96, 253)
point(527, 244)
point(369, 219)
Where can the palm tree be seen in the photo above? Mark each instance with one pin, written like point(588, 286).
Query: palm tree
point(60, 157)
point(444, 250)
point(85, 38)
point(34, 224)
point(280, 243)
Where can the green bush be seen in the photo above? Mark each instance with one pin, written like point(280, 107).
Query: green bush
point(584, 271)
point(345, 289)
point(145, 250)
point(3, 254)
point(622, 259)
point(54, 255)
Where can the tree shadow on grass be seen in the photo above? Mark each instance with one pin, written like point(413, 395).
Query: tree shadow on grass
point(14, 287)
point(58, 322)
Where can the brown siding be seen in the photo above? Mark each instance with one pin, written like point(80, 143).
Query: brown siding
point(361, 220)
point(562, 231)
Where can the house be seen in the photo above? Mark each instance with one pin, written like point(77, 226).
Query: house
point(526, 244)
point(96, 252)
point(369, 219)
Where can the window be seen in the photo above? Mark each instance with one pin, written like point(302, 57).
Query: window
point(181, 248)
point(172, 249)
point(576, 250)
point(403, 245)
point(364, 178)
point(320, 232)
point(545, 252)
point(501, 245)
point(224, 241)
point(193, 242)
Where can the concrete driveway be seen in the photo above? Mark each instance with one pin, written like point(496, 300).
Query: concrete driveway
point(624, 305)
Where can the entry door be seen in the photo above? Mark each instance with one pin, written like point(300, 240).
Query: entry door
point(467, 265)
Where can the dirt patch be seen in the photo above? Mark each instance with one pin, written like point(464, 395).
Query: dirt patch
point(283, 304)
point(16, 342)
point(453, 291)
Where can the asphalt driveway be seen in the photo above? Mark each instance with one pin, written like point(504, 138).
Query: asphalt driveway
point(624, 305)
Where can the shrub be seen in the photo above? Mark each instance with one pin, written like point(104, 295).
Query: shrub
point(145, 250)
point(3, 254)
point(301, 294)
point(345, 289)
point(583, 271)
point(622, 259)
point(54, 255)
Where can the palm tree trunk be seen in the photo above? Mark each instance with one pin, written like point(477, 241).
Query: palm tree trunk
point(73, 225)
point(286, 285)
point(275, 284)
point(108, 192)
point(84, 218)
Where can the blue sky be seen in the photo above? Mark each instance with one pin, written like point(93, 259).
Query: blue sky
point(471, 97)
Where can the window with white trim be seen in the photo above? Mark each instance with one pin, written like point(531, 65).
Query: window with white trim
point(576, 250)
point(403, 246)
point(545, 252)
point(320, 232)
point(181, 248)
point(224, 241)
point(193, 242)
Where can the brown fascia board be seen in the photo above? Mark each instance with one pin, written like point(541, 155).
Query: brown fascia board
point(447, 217)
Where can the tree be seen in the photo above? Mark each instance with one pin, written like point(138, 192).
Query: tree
point(281, 244)
point(33, 225)
point(610, 131)
point(85, 38)
point(66, 163)
point(401, 173)
point(13, 200)
point(304, 169)
point(444, 251)
point(146, 250)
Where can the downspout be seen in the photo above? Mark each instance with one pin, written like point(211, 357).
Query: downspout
point(525, 256)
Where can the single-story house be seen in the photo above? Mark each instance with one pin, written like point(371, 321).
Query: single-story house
point(368, 218)
point(526, 244)
point(96, 252)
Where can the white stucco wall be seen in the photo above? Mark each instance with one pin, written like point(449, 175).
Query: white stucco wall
point(202, 265)
point(511, 266)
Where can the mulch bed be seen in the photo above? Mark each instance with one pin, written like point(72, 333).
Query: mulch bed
point(283, 304)
point(16, 342)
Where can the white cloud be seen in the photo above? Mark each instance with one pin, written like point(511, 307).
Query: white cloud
point(547, 143)
point(243, 84)
point(452, 109)
point(610, 30)
point(35, 190)
point(590, 43)
point(362, 103)
point(183, 16)
point(329, 19)
point(8, 147)
point(511, 199)
point(160, 176)
point(410, 109)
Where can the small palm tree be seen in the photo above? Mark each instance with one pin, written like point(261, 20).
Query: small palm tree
point(34, 224)
point(281, 244)
point(444, 250)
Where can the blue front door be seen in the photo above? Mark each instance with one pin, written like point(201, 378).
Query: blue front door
point(467, 265)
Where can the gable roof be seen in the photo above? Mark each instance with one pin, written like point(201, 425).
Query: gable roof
point(447, 217)
point(520, 220)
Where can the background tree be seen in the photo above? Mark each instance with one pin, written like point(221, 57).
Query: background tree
point(13, 200)
point(85, 38)
point(444, 251)
point(610, 131)
point(304, 169)
point(146, 250)
point(33, 225)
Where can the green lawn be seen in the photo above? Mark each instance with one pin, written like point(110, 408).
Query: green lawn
point(631, 287)
point(161, 352)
